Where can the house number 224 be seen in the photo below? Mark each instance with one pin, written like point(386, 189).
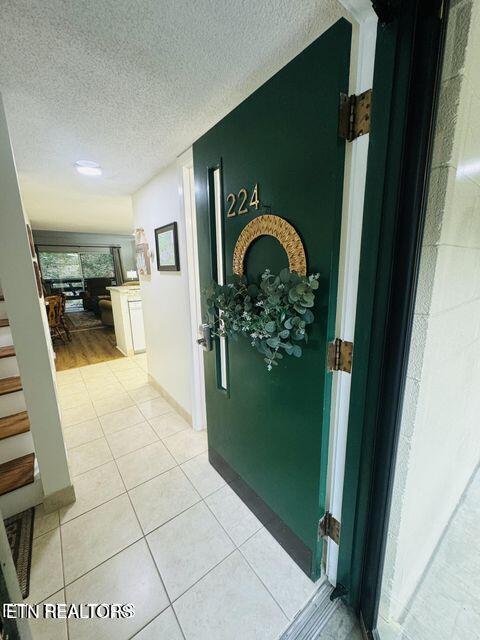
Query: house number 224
point(241, 199)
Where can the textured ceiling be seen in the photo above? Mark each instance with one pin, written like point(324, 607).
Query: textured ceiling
point(130, 84)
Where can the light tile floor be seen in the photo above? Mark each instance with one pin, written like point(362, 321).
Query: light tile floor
point(153, 524)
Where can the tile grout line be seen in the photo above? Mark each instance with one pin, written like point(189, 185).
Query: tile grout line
point(201, 499)
point(137, 485)
point(287, 616)
point(143, 537)
point(153, 559)
point(238, 548)
point(63, 569)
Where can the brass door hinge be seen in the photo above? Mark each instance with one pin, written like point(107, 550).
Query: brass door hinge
point(329, 527)
point(340, 354)
point(355, 114)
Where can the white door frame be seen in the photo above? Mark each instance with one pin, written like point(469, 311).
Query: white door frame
point(361, 78)
point(356, 156)
point(187, 205)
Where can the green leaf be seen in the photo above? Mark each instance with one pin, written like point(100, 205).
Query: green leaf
point(308, 316)
point(284, 334)
point(273, 342)
point(297, 351)
point(299, 308)
point(270, 326)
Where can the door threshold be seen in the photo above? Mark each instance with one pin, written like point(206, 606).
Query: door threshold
point(309, 622)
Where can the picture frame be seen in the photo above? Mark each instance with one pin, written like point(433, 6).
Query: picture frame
point(166, 244)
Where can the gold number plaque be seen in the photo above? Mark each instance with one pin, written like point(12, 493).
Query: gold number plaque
point(242, 197)
point(270, 225)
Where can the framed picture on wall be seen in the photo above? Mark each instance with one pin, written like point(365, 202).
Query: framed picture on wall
point(166, 241)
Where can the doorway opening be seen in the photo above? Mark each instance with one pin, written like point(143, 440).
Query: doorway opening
point(88, 323)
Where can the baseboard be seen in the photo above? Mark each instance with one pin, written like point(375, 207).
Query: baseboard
point(175, 405)
point(23, 498)
point(58, 499)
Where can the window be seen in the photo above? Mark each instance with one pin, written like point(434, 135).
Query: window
point(60, 266)
point(97, 265)
point(76, 265)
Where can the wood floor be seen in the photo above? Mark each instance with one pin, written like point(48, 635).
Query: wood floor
point(87, 347)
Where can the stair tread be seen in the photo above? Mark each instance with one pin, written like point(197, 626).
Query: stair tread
point(4, 322)
point(17, 473)
point(14, 425)
point(7, 352)
point(10, 385)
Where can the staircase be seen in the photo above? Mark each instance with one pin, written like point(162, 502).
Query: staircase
point(20, 485)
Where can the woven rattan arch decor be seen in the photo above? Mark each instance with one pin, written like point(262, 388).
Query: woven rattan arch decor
point(280, 229)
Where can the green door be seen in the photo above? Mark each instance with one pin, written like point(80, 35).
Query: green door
point(268, 430)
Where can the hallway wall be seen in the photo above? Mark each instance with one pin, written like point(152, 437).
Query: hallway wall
point(165, 293)
point(439, 446)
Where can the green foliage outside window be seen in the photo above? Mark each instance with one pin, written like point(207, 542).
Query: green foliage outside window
point(66, 266)
point(60, 265)
point(97, 265)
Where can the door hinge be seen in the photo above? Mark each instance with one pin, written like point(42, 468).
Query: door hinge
point(340, 353)
point(355, 113)
point(329, 527)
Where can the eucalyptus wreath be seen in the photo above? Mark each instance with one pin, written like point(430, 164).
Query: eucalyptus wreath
point(273, 314)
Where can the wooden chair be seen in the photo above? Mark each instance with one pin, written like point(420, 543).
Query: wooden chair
point(54, 312)
point(62, 317)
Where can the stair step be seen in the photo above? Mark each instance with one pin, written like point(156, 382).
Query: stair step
point(10, 385)
point(13, 425)
point(4, 322)
point(7, 352)
point(17, 473)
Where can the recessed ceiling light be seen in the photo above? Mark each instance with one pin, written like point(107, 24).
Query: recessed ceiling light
point(88, 168)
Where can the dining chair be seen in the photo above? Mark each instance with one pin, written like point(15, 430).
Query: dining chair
point(54, 314)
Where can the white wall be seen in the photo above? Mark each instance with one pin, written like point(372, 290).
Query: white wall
point(440, 436)
point(165, 293)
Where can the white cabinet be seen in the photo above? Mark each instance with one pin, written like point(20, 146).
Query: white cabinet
point(128, 319)
point(136, 325)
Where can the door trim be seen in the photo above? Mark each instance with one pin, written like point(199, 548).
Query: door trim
point(406, 64)
point(355, 173)
point(186, 186)
point(428, 26)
